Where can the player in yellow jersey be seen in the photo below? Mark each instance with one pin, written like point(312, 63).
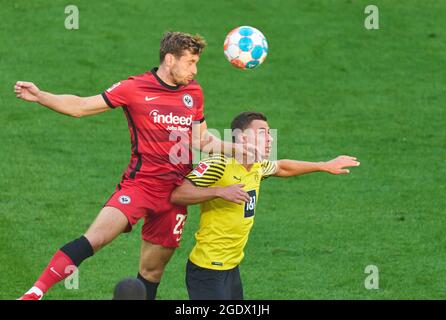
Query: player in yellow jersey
point(228, 191)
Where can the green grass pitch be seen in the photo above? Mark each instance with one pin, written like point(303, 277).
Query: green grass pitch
point(329, 86)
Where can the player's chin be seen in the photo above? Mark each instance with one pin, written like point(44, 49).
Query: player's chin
point(267, 153)
point(262, 157)
point(184, 82)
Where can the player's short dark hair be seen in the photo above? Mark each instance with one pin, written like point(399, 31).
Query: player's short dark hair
point(130, 289)
point(244, 119)
point(176, 42)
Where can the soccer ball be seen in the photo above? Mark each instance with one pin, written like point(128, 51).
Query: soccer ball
point(245, 47)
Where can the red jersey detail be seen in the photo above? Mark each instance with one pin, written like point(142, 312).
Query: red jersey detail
point(160, 122)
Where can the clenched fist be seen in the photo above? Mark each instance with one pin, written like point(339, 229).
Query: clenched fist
point(27, 91)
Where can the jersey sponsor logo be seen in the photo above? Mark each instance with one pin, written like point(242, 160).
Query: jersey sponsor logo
point(200, 170)
point(125, 199)
point(150, 99)
point(251, 205)
point(188, 101)
point(171, 119)
point(113, 86)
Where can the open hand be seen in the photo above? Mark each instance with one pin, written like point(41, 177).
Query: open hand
point(234, 193)
point(338, 165)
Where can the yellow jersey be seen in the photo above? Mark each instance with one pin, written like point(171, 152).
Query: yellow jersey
point(224, 226)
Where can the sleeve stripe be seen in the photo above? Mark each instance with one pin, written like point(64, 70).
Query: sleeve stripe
point(209, 174)
point(203, 185)
point(216, 162)
point(215, 171)
point(216, 166)
point(206, 179)
point(200, 183)
point(268, 168)
point(218, 159)
point(107, 101)
point(191, 180)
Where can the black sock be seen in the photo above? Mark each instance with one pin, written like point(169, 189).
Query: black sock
point(78, 250)
point(151, 287)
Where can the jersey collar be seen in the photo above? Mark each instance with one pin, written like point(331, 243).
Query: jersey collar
point(161, 82)
point(241, 165)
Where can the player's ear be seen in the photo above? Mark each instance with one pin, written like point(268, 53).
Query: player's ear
point(169, 59)
point(243, 138)
point(238, 136)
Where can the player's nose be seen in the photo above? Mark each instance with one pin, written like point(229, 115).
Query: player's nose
point(194, 70)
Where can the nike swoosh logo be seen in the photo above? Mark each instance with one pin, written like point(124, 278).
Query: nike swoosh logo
point(54, 271)
point(239, 179)
point(150, 99)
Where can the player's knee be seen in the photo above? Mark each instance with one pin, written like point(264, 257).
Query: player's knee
point(96, 240)
point(152, 274)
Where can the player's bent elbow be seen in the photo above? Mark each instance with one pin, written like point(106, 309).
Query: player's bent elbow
point(77, 114)
point(175, 197)
point(281, 173)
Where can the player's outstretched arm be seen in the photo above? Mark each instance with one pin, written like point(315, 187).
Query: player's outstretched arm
point(208, 143)
point(187, 194)
point(339, 165)
point(64, 103)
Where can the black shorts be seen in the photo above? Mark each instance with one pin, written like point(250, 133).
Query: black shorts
point(207, 284)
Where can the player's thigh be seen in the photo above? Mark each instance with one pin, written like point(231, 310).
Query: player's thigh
point(153, 260)
point(161, 235)
point(109, 223)
point(165, 227)
point(206, 284)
